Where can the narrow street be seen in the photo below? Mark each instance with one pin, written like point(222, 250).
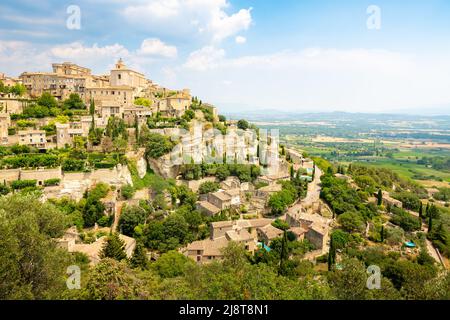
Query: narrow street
point(312, 196)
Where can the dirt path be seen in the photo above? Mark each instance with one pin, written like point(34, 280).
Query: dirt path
point(432, 251)
point(117, 215)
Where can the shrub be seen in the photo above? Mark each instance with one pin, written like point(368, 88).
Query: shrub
point(156, 145)
point(4, 189)
point(52, 182)
point(21, 184)
point(128, 191)
point(73, 165)
point(208, 187)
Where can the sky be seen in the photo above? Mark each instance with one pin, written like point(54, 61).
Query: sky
point(241, 55)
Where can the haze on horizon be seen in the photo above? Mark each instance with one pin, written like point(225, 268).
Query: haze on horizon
point(242, 55)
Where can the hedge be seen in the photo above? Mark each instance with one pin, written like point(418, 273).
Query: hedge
point(52, 182)
point(21, 184)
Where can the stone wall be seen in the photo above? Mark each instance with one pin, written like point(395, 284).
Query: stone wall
point(41, 175)
point(9, 175)
point(73, 184)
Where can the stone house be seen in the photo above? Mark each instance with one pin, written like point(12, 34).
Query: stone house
point(33, 138)
point(208, 250)
point(131, 113)
point(218, 229)
point(267, 233)
point(66, 132)
point(225, 199)
point(207, 208)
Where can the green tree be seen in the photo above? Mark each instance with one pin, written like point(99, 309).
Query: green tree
point(331, 255)
point(47, 100)
point(111, 280)
point(139, 258)
point(143, 102)
point(284, 254)
point(18, 90)
point(31, 264)
point(114, 248)
point(156, 145)
point(131, 217)
point(243, 124)
point(74, 102)
point(172, 264)
point(92, 111)
point(208, 187)
point(127, 191)
point(352, 221)
point(349, 281)
point(380, 197)
point(421, 210)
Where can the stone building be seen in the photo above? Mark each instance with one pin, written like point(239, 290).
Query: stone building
point(131, 113)
point(33, 138)
point(122, 76)
point(267, 233)
point(5, 122)
point(66, 132)
point(66, 78)
point(122, 95)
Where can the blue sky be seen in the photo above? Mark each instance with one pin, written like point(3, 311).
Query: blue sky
point(242, 55)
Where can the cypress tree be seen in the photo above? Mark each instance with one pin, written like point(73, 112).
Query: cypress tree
point(430, 223)
point(427, 210)
point(421, 210)
point(92, 108)
point(380, 197)
point(114, 248)
point(284, 253)
point(292, 172)
point(136, 128)
point(382, 233)
point(331, 255)
point(139, 258)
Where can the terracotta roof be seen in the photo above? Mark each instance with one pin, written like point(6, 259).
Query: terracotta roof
point(238, 236)
point(298, 231)
point(208, 206)
point(222, 224)
point(271, 232)
point(233, 192)
point(210, 247)
point(221, 195)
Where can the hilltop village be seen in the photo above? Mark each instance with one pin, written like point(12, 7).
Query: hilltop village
point(111, 141)
point(153, 194)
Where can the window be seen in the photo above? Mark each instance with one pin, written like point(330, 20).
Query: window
point(119, 76)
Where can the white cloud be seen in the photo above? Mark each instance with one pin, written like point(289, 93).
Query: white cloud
point(155, 47)
point(240, 40)
point(224, 26)
point(206, 58)
point(188, 17)
point(321, 79)
point(78, 51)
point(19, 56)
